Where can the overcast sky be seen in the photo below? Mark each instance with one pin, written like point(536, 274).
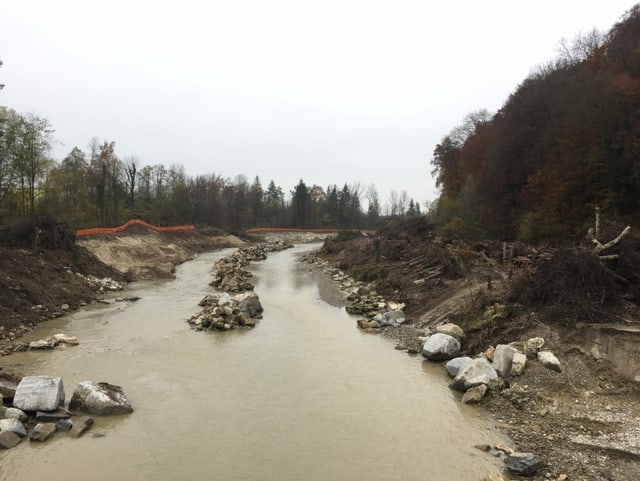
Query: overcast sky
point(327, 91)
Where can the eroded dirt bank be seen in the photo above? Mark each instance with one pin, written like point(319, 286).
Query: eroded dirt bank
point(142, 253)
point(43, 281)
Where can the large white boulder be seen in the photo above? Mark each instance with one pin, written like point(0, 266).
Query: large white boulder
point(478, 371)
point(441, 347)
point(39, 393)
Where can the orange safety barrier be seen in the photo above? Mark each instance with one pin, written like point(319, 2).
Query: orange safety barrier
point(114, 230)
point(256, 230)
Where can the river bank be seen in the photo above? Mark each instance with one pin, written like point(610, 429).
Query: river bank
point(582, 422)
point(298, 398)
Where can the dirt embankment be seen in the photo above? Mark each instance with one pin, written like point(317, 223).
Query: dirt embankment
point(142, 253)
point(44, 279)
point(584, 422)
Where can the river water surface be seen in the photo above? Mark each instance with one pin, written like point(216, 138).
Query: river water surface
point(304, 396)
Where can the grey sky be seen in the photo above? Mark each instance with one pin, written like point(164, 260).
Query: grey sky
point(327, 91)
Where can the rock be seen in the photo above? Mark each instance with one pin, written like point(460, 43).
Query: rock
point(64, 425)
point(478, 371)
point(475, 394)
point(81, 426)
point(9, 439)
point(534, 345)
point(14, 426)
point(488, 353)
point(42, 431)
point(502, 359)
point(440, 347)
point(390, 318)
point(457, 364)
point(549, 360)
point(518, 364)
point(249, 303)
point(39, 393)
point(12, 413)
point(64, 307)
point(48, 417)
point(42, 344)
point(64, 339)
point(452, 330)
point(101, 399)
point(8, 385)
point(522, 463)
point(505, 449)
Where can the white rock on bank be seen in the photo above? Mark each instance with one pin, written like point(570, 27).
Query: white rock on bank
point(549, 360)
point(441, 347)
point(39, 393)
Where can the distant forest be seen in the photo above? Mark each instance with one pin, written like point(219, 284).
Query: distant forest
point(567, 140)
point(96, 188)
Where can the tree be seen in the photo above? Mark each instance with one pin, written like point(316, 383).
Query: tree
point(33, 143)
point(373, 208)
point(300, 203)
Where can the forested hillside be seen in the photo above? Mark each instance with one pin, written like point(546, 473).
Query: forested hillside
point(567, 140)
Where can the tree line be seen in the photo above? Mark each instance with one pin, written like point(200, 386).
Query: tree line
point(97, 188)
point(567, 140)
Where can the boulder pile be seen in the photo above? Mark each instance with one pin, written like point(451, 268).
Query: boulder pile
point(50, 342)
point(229, 274)
point(33, 407)
point(225, 312)
point(236, 306)
point(488, 371)
point(364, 299)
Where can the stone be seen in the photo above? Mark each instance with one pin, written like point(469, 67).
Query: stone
point(101, 399)
point(534, 345)
point(452, 330)
point(39, 393)
point(518, 364)
point(64, 425)
point(475, 394)
point(441, 347)
point(249, 303)
point(81, 425)
point(457, 364)
point(549, 360)
point(8, 385)
point(42, 431)
point(51, 416)
point(9, 439)
point(12, 413)
point(502, 359)
point(523, 463)
point(64, 339)
point(42, 344)
point(14, 426)
point(488, 353)
point(478, 371)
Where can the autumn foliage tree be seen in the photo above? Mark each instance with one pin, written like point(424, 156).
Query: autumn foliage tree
point(566, 140)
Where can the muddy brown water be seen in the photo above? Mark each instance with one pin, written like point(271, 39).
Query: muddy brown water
point(304, 396)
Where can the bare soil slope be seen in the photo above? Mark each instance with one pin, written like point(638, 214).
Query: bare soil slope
point(142, 253)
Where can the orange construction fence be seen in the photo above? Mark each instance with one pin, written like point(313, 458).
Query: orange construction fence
point(114, 230)
point(257, 230)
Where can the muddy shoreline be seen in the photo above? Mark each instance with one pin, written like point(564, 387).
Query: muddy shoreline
point(583, 422)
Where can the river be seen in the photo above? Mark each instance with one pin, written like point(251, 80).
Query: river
point(303, 396)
